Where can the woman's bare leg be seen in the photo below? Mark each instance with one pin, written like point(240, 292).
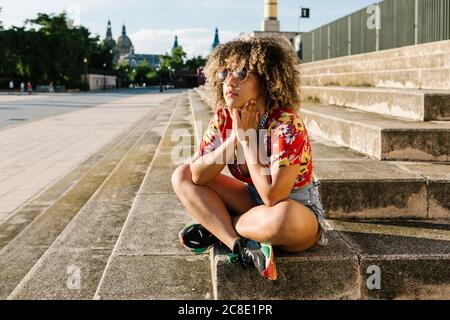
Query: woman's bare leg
point(288, 225)
point(209, 209)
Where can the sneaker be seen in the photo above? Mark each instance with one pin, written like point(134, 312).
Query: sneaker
point(260, 255)
point(196, 238)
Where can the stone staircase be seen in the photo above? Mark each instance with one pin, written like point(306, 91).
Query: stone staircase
point(425, 66)
point(108, 229)
point(102, 230)
point(381, 155)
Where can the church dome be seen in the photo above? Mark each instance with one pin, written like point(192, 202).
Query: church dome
point(124, 43)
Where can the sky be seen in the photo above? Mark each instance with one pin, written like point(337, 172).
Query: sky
point(153, 24)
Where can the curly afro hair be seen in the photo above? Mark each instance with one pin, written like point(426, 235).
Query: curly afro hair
point(270, 57)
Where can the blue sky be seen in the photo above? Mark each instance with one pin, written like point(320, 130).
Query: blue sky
point(152, 24)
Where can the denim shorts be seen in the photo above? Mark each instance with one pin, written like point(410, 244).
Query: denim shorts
point(308, 196)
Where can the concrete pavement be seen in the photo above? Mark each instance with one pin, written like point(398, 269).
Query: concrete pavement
point(58, 133)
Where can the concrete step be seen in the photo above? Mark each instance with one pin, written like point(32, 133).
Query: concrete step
point(431, 48)
point(421, 105)
point(30, 249)
point(440, 60)
point(204, 95)
point(148, 261)
point(353, 186)
point(201, 112)
point(356, 186)
point(428, 61)
point(381, 137)
point(364, 260)
point(87, 242)
point(57, 193)
point(431, 78)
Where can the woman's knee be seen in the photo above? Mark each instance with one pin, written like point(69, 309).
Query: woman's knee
point(288, 223)
point(180, 176)
point(275, 223)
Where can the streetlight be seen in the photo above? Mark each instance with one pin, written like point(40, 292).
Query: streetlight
point(117, 77)
point(104, 77)
point(85, 61)
point(158, 70)
point(171, 75)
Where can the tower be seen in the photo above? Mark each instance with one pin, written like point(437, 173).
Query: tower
point(270, 22)
point(109, 41)
point(216, 41)
point(175, 43)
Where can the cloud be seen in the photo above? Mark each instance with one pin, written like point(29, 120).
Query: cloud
point(195, 41)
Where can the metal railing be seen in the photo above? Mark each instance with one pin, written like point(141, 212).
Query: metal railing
point(384, 25)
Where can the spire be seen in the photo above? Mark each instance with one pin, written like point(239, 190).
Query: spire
point(109, 41)
point(175, 44)
point(124, 30)
point(109, 31)
point(216, 41)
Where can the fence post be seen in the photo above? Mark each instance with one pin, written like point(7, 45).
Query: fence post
point(349, 44)
point(313, 47)
point(329, 41)
point(377, 29)
point(416, 22)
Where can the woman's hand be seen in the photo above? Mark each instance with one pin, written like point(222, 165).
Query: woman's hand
point(246, 119)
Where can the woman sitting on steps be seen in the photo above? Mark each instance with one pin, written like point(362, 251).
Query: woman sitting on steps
point(273, 198)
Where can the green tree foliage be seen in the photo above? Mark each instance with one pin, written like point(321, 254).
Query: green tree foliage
point(195, 63)
point(144, 73)
point(48, 50)
point(177, 58)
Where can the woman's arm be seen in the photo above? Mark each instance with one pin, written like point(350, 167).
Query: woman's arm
point(274, 186)
point(207, 167)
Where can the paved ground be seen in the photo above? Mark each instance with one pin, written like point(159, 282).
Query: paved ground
point(17, 109)
point(57, 132)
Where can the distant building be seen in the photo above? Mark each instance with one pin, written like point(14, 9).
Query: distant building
point(271, 24)
point(175, 43)
point(123, 50)
point(216, 41)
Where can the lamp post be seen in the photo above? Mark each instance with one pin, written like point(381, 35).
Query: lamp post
point(171, 75)
point(85, 61)
point(104, 77)
point(158, 70)
point(117, 78)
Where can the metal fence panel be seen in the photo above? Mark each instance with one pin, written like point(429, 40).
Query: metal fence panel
point(352, 35)
point(397, 23)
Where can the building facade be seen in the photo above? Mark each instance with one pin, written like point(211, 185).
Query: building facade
point(123, 50)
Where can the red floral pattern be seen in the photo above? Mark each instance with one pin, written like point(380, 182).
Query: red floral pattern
point(286, 142)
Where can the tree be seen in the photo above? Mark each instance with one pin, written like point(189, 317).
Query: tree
point(143, 73)
point(196, 62)
point(48, 50)
point(178, 56)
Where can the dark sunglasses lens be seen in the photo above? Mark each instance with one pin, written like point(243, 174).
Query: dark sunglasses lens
point(222, 75)
point(241, 74)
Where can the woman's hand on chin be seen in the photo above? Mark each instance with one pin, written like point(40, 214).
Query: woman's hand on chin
point(245, 119)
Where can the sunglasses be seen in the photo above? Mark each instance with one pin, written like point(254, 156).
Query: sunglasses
point(239, 74)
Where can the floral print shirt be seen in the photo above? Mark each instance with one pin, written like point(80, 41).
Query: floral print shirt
point(286, 143)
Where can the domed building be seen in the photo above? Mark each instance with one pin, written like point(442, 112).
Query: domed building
point(124, 44)
point(123, 50)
